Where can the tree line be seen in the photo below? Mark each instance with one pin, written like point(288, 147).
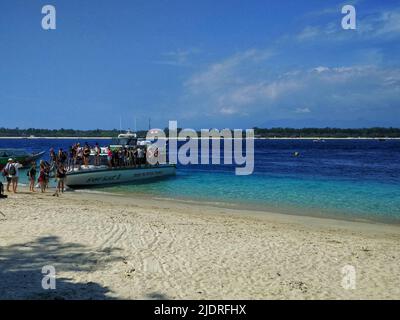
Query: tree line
point(375, 132)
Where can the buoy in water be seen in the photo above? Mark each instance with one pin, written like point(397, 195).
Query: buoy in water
point(296, 154)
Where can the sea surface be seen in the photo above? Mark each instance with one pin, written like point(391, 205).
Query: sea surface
point(355, 179)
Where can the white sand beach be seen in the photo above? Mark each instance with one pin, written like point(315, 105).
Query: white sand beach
point(112, 247)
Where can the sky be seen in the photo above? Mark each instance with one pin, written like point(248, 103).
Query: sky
point(205, 63)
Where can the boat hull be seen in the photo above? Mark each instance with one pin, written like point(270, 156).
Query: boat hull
point(89, 178)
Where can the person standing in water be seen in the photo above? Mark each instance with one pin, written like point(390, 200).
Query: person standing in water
point(32, 177)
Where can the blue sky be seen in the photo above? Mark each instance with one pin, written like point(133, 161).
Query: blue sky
point(235, 64)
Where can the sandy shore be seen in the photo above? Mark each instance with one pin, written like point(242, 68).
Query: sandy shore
point(107, 247)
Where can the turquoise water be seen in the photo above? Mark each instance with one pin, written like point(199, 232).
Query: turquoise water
point(365, 200)
point(340, 178)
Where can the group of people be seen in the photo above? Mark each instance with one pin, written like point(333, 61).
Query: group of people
point(127, 157)
point(11, 174)
point(63, 161)
point(77, 155)
point(86, 155)
point(45, 169)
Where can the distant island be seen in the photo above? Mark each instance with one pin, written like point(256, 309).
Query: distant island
point(375, 132)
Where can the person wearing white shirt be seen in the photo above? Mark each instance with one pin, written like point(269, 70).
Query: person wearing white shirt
point(12, 169)
point(6, 173)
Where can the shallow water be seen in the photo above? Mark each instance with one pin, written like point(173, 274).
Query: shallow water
point(350, 178)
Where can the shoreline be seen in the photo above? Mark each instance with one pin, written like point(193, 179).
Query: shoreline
point(106, 246)
point(239, 211)
point(255, 208)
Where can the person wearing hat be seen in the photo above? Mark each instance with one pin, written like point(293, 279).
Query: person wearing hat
point(6, 173)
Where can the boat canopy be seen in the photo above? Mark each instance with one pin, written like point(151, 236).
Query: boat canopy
point(126, 139)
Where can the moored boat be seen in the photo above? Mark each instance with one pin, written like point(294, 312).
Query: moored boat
point(119, 171)
point(21, 155)
point(102, 175)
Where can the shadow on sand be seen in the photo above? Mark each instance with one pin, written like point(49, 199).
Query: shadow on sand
point(21, 269)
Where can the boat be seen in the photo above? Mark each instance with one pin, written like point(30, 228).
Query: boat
point(100, 175)
point(21, 155)
point(128, 139)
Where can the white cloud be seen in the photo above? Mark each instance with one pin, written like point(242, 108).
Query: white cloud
point(252, 84)
point(321, 69)
point(236, 87)
point(384, 25)
point(309, 32)
point(302, 110)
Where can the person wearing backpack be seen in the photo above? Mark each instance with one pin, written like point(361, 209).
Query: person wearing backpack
point(6, 173)
point(13, 172)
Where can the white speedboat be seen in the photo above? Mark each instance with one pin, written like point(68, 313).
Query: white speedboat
point(102, 175)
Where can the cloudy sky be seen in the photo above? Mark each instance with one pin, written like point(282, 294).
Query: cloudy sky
point(236, 64)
